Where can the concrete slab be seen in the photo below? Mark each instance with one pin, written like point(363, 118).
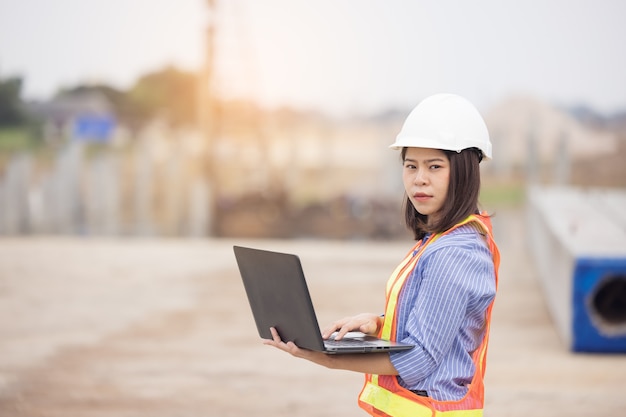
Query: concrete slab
point(578, 242)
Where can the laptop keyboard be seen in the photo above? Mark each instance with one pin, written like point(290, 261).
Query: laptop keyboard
point(348, 342)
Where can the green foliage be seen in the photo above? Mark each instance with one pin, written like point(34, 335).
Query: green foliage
point(169, 93)
point(11, 113)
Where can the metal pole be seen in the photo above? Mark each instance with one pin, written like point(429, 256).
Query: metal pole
point(207, 119)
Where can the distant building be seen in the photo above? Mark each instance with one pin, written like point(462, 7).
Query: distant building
point(524, 126)
point(88, 115)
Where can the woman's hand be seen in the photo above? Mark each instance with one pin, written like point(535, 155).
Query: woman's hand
point(367, 323)
point(291, 348)
point(377, 363)
point(288, 347)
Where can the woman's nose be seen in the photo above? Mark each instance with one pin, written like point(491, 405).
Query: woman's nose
point(420, 177)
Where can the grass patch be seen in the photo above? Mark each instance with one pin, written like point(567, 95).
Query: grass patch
point(502, 195)
point(15, 139)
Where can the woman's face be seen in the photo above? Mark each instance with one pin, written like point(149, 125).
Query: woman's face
point(426, 175)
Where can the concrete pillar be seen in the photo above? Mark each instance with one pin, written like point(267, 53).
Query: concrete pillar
point(103, 196)
point(14, 192)
point(562, 161)
point(143, 192)
point(66, 203)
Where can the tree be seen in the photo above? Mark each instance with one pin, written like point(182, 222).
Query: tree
point(11, 111)
point(169, 93)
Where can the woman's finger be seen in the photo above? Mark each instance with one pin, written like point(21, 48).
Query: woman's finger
point(275, 335)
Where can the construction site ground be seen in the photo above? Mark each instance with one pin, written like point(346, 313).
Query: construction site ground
point(103, 327)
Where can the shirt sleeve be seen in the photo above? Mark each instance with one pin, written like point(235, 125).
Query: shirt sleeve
point(440, 290)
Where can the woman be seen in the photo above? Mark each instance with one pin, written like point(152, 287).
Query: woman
point(440, 296)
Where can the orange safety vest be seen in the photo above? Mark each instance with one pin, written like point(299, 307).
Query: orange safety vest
point(382, 395)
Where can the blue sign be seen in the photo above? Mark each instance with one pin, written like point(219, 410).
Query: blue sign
point(94, 127)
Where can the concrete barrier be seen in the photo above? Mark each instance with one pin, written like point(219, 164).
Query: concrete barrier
point(577, 238)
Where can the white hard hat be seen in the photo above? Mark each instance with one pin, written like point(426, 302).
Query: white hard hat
point(444, 121)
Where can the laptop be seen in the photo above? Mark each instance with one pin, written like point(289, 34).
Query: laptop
point(279, 297)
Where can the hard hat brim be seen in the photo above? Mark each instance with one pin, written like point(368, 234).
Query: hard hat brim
point(431, 144)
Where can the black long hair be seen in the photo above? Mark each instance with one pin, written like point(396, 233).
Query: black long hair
point(462, 197)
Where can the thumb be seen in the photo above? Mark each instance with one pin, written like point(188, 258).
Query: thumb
point(367, 328)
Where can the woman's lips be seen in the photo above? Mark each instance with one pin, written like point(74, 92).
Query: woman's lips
point(421, 196)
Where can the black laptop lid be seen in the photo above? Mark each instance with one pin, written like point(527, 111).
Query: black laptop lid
point(278, 296)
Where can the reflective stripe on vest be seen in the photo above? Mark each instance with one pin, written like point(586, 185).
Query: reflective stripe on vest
point(383, 395)
point(399, 406)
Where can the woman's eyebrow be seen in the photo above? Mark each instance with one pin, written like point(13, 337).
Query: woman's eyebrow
point(426, 160)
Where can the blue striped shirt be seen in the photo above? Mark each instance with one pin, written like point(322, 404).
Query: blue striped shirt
point(441, 310)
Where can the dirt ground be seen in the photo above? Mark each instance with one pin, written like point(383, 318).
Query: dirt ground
point(162, 328)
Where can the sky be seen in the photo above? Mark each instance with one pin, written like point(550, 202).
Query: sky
point(338, 56)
